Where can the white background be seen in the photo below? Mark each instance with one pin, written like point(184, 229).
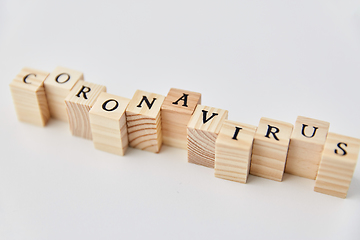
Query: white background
point(276, 59)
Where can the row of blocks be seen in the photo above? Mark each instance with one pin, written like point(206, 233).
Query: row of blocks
point(147, 120)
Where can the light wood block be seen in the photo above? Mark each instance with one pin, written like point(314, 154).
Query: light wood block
point(270, 149)
point(78, 104)
point(108, 123)
point(57, 87)
point(306, 145)
point(143, 116)
point(176, 111)
point(337, 165)
point(27, 90)
point(203, 129)
point(233, 150)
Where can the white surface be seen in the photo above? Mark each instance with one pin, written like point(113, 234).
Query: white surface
point(276, 59)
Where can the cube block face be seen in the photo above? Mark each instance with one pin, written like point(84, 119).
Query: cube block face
point(306, 146)
point(108, 123)
point(176, 112)
point(57, 87)
point(233, 151)
point(78, 104)
point(337, 165)
point(203, 129)
point(270, 149)
point(27, 90)
point(143, 118)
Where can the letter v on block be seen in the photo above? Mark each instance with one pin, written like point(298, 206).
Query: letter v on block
point(203, 129)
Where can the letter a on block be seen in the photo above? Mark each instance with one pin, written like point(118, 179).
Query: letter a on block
point(233, 151)
point(78, 104)
point(27, 90)
point(306, 146)
point(143, 117)
point(270, 149)
point(337, 165)
point(58, 86)
point(176, 112)
point(108, 123)
point(203, 129)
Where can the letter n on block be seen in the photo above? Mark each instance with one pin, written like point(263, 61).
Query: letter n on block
point(176, 112)
point(27, 90)
point(271, 143)
point(57, 87)
point(337, 165)
point(203, 129)
point(233, 150)
point(78, 104)
point(306, 146)
point(143, 118)
point(108, 123)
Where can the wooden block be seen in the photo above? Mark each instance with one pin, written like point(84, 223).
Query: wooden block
point(337, 165)
point(306, 145)
point(176, 111)
point(108, 123)
point(203, 129)
point(57, 87)
point(270, 149)
point(78, 104)
point(233, 150)
point(143, 118)
point(27, 90)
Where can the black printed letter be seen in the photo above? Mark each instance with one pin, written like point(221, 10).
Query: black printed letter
point(58, 76)
point(24, 79)
point(343, 150)
point(273, 133)
point(111, 109)
point(204, 116)
point(303, 131)
point(237, 130)
point(84, 92)
point(147, 102)
point(183, 98)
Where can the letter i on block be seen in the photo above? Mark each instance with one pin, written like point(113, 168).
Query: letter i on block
point(176, 112)
point(233, 150)
point(108, 123)
point(306, 145)
point(57, 86)
point(27, 90)
point(78, 104)
point(143, 118)
point(337, 165)
point(203, 129)
point(271, 143)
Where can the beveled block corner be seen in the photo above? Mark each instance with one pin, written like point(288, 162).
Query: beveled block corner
point(176, 111)
point(203, 129)
point(28, 93)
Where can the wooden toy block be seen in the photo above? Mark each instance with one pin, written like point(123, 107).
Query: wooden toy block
point(108, 123)
point(176, 112)
point(203, 129)
point(57, 87)
point(27, 90)
point(306, 145)
point(233, 150)
point(337, 165)
point(270, 149)
point(143, 116)
point(78, 104)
